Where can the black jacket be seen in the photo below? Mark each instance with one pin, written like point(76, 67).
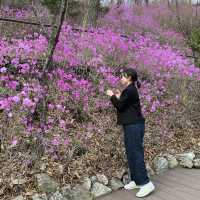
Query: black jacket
point(128, 106)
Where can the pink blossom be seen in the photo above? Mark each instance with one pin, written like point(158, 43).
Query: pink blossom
point(5, 104)
point(14, 141)
point(28, 102)
point(66, 142)
point(16, 99)
point(3, 70)
point(55, 141)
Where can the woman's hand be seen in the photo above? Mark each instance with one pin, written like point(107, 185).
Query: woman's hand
point(117, 93)
point(109, 93)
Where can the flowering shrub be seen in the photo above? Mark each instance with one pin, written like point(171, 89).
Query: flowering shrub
point(70, 91)
point(84, 65)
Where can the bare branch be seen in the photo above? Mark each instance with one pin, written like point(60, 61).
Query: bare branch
point(55, 35)
point(51, 48)
point(23, 22)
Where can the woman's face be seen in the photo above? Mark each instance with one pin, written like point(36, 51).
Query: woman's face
point(125, 79)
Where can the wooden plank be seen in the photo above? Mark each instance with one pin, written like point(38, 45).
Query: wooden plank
point(127, 195)
point(171, 191)
point(179, 188)
point(186, 179)
point(180, 180)
point(186, 176)
point(174, 184)
point(192, 172)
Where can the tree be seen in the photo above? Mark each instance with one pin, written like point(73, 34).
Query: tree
point(119, 2)
point(168, 4)
point(178, 13)
point(138, 2)
point(92, 12)
point(56, 30)
point(197, 4)
point(52, 5)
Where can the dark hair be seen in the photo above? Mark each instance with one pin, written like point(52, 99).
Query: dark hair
point(133, 74)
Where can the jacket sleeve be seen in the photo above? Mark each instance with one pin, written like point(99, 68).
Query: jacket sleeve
point(122, 102)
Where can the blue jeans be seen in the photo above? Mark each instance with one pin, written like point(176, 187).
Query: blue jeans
point(133, 139)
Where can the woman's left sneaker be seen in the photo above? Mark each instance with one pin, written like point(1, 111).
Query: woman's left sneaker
point(130, 186)
point(146, 189)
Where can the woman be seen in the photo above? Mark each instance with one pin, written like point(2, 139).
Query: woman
point(129, 115)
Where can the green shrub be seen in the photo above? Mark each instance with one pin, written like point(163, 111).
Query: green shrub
point(52, 5)
point(195, 44)
point(195, 39)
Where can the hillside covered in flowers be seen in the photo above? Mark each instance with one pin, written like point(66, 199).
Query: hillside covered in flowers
point(80, 132)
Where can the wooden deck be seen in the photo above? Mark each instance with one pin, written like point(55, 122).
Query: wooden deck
point(174, 184)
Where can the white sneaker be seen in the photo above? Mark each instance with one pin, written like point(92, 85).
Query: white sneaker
point(146, 189)
point(130, 186)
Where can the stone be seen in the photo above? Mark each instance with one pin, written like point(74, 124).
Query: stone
point(160, 165)
point(172, 161)
point(19, 198)
point(57, 196)
point(189, 156)
point(186, 159)
point(46, 183)
point(120, 174)
point(125, 179)
point(102, 179)
point(93, 179)
point(116, 184)
point(39, 197)
point(99, 189)
point(87, 183)
point(77, 193)
point(197, 155)
point(67, 191)
point(150, 171)
point(196, 163)
point(187, 163)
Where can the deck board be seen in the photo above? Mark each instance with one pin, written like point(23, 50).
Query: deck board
point(174, 184)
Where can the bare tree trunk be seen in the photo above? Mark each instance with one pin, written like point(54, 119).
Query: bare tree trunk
point(55, 36)
point(91, 14)
point(197, 4)
point(119, 2)
point(178, 13)
point(147, 2)
point(51, 48)
point(168, 4)
point(137, 2)
point(191, 15)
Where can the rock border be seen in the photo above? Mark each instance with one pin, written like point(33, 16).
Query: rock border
point(99, 185)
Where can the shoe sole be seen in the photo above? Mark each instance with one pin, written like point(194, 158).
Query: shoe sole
point(152, 190)
point(137, 187)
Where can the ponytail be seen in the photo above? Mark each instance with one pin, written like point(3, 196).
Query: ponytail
point(138, 84)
